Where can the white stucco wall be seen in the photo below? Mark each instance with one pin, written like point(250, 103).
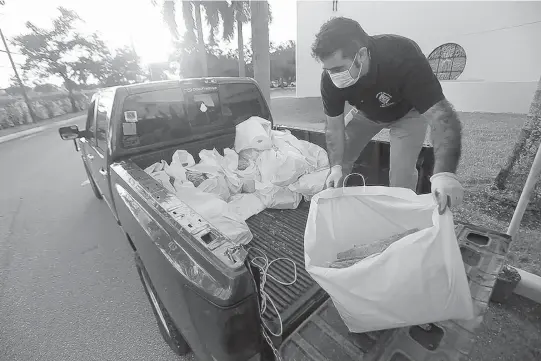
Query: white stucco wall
point(502, 66)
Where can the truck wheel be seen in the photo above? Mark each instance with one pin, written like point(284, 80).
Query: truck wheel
point(93, 185)
point(167, 328)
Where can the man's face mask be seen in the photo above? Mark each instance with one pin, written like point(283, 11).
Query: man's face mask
point(344, 79)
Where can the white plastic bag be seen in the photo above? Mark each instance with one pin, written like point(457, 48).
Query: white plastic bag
point(180, 161)
point(156, 167)
point(217, 185)
point(277, 197)
point(253, 133)
point(245, 205)
point(417, 279)
point(217, 213)
point(310, 184)
point(247, 157)
point(248, 177)
point(315, 155)
point(214, 164)
point(164, 179)
point(281, 167)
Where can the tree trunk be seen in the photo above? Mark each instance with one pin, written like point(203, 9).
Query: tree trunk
point(67, 83)
point(513, 174)
point(240, 44)
point(503, 174)
point(200, 39)
point(260, 44)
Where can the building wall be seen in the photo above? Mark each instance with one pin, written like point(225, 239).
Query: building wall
point(503, 65)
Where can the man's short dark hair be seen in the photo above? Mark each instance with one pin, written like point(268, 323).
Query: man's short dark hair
point(339, 33)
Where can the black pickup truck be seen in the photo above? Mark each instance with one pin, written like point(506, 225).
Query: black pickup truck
point(202, 288)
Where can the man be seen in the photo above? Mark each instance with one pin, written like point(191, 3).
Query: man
point(390, 84)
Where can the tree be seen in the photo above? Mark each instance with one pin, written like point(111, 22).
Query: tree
point(191, 14)
point(62, 52)
point(227, 13)
point(282, 61)
point(123, 68)
point(46, 88)
point(260, 43)
point(513, 174)
point(241, 11)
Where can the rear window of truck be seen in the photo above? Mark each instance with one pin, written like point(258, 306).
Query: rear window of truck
point(186, 113)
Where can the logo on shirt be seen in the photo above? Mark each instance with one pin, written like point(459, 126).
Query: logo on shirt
point(384, 99)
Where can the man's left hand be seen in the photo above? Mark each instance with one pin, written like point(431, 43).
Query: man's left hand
point(447, 190)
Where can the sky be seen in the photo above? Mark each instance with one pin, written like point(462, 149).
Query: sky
point(121, 22)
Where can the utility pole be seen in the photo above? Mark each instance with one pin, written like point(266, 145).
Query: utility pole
point(26, 99)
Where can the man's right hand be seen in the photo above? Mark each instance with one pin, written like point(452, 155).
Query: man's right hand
point(334, 177)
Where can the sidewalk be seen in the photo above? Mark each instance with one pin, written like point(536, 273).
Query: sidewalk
point(27, 129)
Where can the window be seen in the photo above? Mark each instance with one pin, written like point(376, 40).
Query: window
point(448, 61)
point(103, 116)
point(188, 113)
point(241, 101)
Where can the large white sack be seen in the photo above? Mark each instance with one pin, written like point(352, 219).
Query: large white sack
point(253, 133)
point(281, 167)
point(245, 205)
point(277, 197)
point(310, 184)
point(217, 213)
point(418, 279)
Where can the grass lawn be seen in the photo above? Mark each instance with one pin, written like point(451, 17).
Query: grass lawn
point(511, 331)
point(19, 128)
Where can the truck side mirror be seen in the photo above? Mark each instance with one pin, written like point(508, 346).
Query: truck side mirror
point(69, 133)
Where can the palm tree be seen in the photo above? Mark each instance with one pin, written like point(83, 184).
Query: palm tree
point(192, 9)
point(242, 16)
point(229, 12)
point(260, 42)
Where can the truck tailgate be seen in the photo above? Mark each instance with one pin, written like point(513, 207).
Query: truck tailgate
point(280, 233)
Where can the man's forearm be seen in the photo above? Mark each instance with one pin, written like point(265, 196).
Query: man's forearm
point(335, 139)
point(446, 133)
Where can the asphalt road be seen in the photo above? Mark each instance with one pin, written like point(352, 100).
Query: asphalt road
point(69, 289)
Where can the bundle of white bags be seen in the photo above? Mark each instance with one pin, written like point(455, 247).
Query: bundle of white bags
point(267, 169)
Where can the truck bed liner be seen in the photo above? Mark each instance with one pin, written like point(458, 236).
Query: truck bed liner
point(280, 233)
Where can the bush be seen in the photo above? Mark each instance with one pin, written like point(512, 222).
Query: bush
point(14, 112)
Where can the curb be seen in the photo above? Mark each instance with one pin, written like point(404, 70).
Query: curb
point(24, 133)
point(529, 286)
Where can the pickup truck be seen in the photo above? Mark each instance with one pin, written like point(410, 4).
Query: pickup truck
point(202, 288)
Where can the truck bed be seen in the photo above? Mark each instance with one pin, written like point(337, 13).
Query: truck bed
point(280, 233)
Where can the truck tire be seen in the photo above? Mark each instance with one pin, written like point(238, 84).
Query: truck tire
point(167, 328)
point(93, 184)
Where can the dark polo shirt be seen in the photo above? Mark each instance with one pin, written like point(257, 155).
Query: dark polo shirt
point(399, 79)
